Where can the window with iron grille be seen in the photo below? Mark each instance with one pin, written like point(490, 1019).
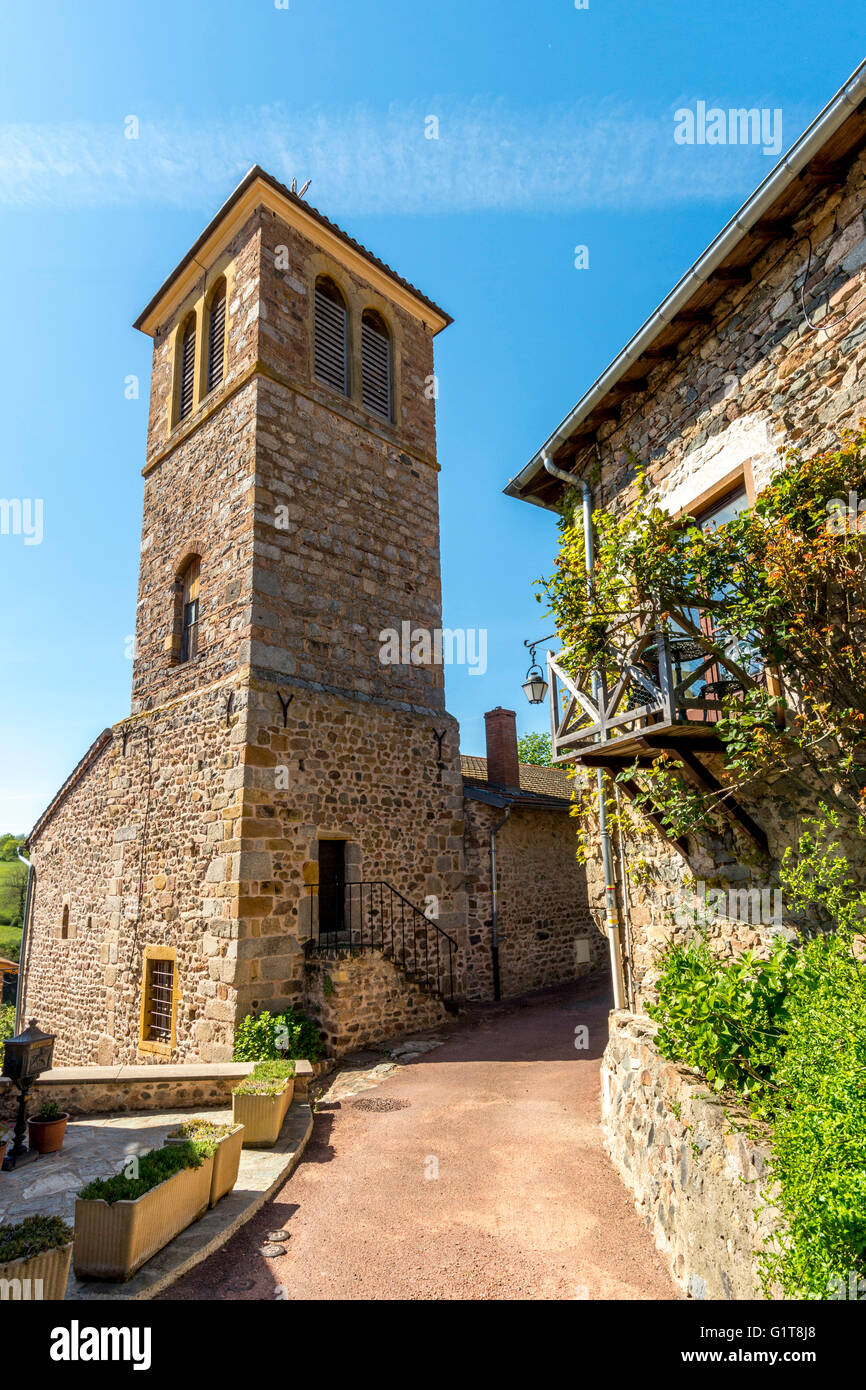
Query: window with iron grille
point(189, 611)
point(187, 372)
point(158, 1001)
point(216, 339)
point(375, 366)
point(331, 358)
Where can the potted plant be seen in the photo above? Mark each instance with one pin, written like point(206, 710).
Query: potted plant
point(228, 1140)
point(122, 1221)
point(47, 1128)
point(34, 1258)
point(260, 1102)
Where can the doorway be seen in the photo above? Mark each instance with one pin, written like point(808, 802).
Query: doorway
point(332, 888)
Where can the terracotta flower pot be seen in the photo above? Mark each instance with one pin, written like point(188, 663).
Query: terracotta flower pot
point(2, 1152)
point(46, 1136)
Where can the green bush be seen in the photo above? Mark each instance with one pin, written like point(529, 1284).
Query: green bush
point(32, 1236)
point(788, 1036)
point(265, 1079)
point(726, 1020)
point(268, 1037)
point(194, 1130)
point(7, 1021)
point(153, 1168)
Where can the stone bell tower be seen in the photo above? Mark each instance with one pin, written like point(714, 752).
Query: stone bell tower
point(290, 517)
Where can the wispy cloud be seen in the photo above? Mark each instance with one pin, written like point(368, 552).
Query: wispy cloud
point(487, 156)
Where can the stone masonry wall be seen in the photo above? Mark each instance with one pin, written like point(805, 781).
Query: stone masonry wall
point(739, 393)
point(546, 932)
point(363, 1000)
point(697, 1181)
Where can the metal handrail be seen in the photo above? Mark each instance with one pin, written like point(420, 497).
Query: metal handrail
point(374, 915)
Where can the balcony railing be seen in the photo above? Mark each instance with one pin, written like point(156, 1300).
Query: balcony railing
point(663, 676)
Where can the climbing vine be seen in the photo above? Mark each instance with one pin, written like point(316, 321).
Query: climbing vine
point(785, 581)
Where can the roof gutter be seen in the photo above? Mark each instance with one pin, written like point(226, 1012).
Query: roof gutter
point(801, 152)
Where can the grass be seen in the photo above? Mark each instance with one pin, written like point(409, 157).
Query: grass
point(10, 942)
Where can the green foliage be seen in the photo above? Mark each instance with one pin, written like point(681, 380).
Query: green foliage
point(10, 941)
point(153, 1168)
point(194, 1130)
point(535, 748)
point(13, 888)
point(266, 1079)
point(7, 1021)
point(782, 581)
point(49, 1110)
point(726, 1020)
point(9, 847)
point(788, 1036)
point(32, 1236)
point(268, 1037)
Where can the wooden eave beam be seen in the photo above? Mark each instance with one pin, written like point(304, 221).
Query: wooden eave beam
point(728, 803)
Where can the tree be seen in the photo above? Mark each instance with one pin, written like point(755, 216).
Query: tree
point(534, 748)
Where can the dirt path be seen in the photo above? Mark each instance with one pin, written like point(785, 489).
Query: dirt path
point(475, 1171)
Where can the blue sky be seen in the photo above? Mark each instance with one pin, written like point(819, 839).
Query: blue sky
point(555, 130)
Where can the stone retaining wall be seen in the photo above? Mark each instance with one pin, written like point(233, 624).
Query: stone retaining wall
point(361, 1000)
point(125, 1090)
point(697, 1181)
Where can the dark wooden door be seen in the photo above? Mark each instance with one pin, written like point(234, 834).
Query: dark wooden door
point(332, 887)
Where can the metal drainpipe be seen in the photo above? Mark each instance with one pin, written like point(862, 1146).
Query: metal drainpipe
point(25, 932)
point(494, 898)
point(611, 908)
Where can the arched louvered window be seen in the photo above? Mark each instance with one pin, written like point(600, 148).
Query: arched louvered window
point(216, 338)
point(332, 363)
point(375, 365)
point(187, 371)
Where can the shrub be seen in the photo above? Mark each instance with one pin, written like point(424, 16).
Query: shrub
point(268, 1037)
point(153, 1168)
point(32, 1236)
point(194, 1130)
point(7, 1021)
point(788, 1035)
point(726, 1020)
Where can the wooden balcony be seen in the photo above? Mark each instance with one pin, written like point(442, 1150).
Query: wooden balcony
point(662, 690)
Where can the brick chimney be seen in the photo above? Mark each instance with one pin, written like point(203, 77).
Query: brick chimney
point(501, 729)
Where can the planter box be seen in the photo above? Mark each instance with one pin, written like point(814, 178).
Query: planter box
point(262, 1116)
point(226, 1162)
point(51, 1267)
point(113, 1240)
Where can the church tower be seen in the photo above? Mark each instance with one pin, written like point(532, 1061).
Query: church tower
point(216, 852)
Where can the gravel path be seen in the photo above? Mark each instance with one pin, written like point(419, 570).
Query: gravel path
point(475, 1171)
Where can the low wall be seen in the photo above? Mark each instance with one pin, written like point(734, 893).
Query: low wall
point(363, 1000)
point(696, 1181)
point(123, 1090)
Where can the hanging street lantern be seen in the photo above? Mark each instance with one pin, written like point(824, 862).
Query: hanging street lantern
point(535, 685)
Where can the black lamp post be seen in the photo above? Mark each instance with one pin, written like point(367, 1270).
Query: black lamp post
point(535, 686)
point(24, 1057)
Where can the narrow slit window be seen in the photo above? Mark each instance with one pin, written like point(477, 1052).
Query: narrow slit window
point(187, 372)
point(189, 609)
point(375, 366)
point(216, 339)
point(64, 925)
point(331, 357)
point(159, 1001)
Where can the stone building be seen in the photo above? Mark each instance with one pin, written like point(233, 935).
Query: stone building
point(280, 820)
point(760, 347)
